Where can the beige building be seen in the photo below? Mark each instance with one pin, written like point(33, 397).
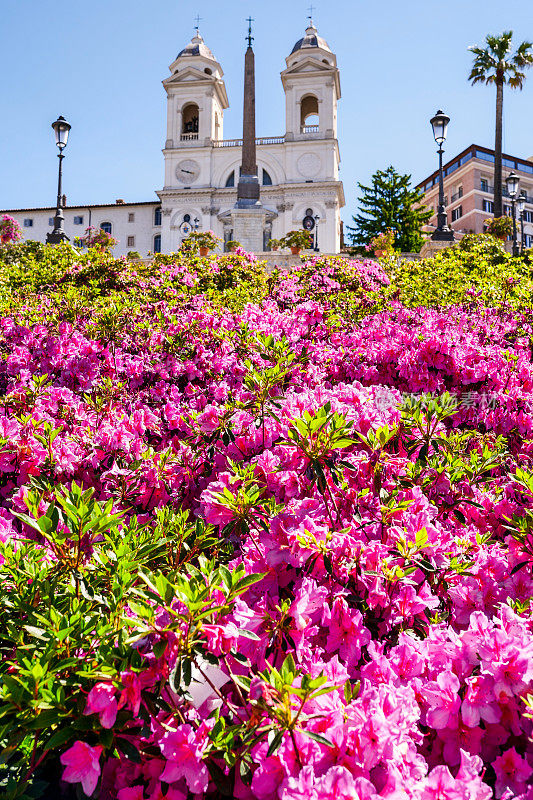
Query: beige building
point(469, 190)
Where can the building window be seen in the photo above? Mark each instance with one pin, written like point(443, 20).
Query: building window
point(528, 216)
point(488, 206)
point(528, 240)
point(484, 185)
point(457, 213)
point(157, 216)
point(267, 180)
point(78, 220)
point(309, 121)
point(50, 220)
point(230, 180)
point(189, 121)
point(507, 211)
point(28, 223)
point(107, 227)
point(131, 217)
point(131, 241)
point(157, 243)
point(484, 156)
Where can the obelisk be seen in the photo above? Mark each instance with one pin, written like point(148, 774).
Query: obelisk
point(248, 190)
point(249, 217)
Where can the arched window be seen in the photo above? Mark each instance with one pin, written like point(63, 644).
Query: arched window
point(208, 71)
point(107, 227)
point(189, 121)
point(157, 243)
point(309, 119)
point(267, 180)
point(230, 180)
point(157, 216)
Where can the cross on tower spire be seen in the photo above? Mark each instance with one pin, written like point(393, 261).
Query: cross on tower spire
point(250, 37)
point(197, 19)
point(311, 9)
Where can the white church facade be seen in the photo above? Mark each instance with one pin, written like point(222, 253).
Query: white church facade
point(298, 172)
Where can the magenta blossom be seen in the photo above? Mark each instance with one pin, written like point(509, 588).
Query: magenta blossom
point(82, 764)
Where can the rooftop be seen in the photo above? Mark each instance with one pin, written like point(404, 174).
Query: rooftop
point(481, 153)
point(311, 39)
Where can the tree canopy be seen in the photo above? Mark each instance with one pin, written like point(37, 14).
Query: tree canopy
point(390, 203)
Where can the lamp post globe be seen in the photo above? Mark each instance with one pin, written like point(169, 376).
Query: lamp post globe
point(196, 223)
point(512, 181)
point(439, 124)
point(61, 130)
point(317, 220)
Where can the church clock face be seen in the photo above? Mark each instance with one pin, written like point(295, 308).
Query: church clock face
point(187, 171)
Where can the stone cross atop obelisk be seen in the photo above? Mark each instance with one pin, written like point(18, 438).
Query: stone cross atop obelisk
point(248, 190)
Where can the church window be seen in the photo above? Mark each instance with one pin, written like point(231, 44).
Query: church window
point(50, 220)
point(309, 113)
point(28, 223)
point(78, 220)
point(267, 180)
point(131, 216)
point(230, 181)
point(190, 116)
point(157, 243)
point(186, 217)
point(106, 227)
point(208, 71)
point(131, 241)
point(157, 216)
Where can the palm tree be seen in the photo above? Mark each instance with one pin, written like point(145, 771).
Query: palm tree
point(495, 64)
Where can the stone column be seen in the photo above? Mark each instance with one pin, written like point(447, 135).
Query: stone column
point(248, 190)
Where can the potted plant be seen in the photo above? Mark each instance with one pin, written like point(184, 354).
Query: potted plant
point(204, 240)
point(274, 244)
point(297, 240)
point(382, 244)
point(96, 237)
point(10, 231)
point(232, 245)
point(500, 227)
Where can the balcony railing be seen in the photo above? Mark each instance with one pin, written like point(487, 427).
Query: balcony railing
point(457, 196)
point(238, 142)
point(309, 129)
point(189, 137)
point(484, 187)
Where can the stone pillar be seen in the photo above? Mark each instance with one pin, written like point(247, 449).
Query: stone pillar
point(248, 190)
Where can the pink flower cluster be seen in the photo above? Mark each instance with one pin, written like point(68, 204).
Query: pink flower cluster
point(9, 230)
point(398, 581)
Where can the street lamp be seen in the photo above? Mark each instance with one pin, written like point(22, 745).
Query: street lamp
point(61, 130)
point(317, 220)
point(512, 182)
point(522, 200)
point(443, 233)
point(196, 223)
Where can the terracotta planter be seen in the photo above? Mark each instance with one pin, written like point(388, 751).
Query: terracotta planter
point(204, 251)
point(275, 249)
point(379, 253)
point(295, 250)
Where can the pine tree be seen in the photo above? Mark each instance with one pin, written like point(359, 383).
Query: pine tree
point(390, 203)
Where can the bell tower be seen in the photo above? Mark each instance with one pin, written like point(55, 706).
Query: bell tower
point(196, 97)
point(312, 88)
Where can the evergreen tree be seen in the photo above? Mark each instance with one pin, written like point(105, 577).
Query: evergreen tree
point(390, 203)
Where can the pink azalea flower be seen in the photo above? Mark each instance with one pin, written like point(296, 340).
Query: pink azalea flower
point(101, 701)
point(444, 700)
point(183, 754)
point(512, 771)
point(131, 694)
point(133, 793)
point(82, 764)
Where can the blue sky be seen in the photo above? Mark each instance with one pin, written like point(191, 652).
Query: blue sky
point(100, 63)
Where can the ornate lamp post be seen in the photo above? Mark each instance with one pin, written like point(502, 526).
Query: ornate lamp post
point(317, 220)
point(61, 130)
point(443, 233)
point(522, 200)
point(512, 182)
